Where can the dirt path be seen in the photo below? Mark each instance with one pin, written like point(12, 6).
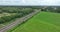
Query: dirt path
point(18, 21)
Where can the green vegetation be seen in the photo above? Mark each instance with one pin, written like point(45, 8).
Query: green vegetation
point(42, 22)
point(9, 16)
point(55, 9)
point(14, 9)
point(9, 13)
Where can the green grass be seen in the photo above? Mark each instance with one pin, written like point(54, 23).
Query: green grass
point(42, 22)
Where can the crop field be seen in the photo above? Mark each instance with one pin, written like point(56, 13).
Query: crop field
point(42, 22)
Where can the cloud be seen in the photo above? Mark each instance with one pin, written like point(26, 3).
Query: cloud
point(29, 2)
point(42, 2)
point(50, 2)
point(9, 2)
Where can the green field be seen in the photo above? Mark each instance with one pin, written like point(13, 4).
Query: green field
point(42, 22)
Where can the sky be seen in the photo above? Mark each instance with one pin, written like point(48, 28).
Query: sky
point(30, 2)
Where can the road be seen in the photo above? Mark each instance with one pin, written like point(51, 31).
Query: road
point(18, 21)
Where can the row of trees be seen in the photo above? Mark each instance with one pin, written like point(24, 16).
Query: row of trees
point(13, 9)
point(51, 9)
point(9, 9)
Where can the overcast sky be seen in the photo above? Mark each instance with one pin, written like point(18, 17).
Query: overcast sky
point(30, 2)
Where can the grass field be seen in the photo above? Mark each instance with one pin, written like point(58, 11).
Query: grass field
point(42, 22)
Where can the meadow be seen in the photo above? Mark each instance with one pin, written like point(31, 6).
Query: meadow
point(42, 22)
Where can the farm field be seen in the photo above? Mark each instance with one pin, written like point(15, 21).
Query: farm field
point(42, 22)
